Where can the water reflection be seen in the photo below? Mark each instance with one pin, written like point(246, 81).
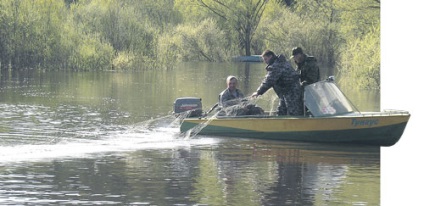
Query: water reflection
point(296, 174)
point(109, 139)
point(229, 172)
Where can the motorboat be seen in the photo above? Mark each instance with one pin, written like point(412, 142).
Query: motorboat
point(329, 118)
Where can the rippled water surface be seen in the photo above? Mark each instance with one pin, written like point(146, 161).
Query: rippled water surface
point(110, 139)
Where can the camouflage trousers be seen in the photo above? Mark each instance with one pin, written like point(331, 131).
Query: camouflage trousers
point(291, 103)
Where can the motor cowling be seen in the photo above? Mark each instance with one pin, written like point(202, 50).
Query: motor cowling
point(191, 105)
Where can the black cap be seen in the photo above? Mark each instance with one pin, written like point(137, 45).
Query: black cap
point(296, 50)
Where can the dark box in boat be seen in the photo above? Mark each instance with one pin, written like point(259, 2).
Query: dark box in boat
point(192, 104)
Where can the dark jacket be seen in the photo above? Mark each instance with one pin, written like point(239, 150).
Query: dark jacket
point(281, 77)
point(308, 70)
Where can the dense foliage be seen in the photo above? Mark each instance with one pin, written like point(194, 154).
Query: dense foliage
point(133, 34)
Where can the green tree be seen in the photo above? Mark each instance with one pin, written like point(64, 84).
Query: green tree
point(358, 17)
point(283, 28)
point(133, 34)
point(326, 15)
point(161, 15)
point(204, 41)
point(242, 17)
point(31, 33)
point(360, 55)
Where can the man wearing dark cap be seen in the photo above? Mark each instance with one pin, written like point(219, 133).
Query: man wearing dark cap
point(307, 66)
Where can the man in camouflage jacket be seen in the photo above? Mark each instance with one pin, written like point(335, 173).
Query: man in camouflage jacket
point(285, 81)
point(307, 67)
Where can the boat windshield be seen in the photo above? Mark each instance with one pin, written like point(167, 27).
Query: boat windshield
point(325, 99)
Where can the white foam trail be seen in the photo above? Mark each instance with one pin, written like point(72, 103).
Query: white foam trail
point(138, 138)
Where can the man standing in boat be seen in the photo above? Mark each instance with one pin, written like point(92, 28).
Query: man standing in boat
point(307, 67)
point(231, 95)
point(285, 81)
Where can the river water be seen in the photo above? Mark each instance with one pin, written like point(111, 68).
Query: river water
point(109, 138)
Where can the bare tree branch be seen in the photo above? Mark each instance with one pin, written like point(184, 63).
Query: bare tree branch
point(244, 20)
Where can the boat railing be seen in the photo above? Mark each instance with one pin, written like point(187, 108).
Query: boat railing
point(387, 112)
point(396, 111)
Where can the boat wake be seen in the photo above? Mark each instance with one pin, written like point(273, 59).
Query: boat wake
point(154, 134)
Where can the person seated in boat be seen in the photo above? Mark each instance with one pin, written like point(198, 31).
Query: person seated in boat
point(231, 95)
point(233, 103)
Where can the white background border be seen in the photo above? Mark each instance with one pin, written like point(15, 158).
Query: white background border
point(402, 84)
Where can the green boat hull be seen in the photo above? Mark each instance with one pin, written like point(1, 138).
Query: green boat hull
point(386, 132)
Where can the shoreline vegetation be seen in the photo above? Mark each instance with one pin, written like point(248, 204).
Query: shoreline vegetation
point(95, 35)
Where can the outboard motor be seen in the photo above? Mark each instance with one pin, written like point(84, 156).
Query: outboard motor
point(192, 105)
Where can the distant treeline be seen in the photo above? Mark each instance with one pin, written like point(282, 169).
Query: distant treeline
point(155, 34)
